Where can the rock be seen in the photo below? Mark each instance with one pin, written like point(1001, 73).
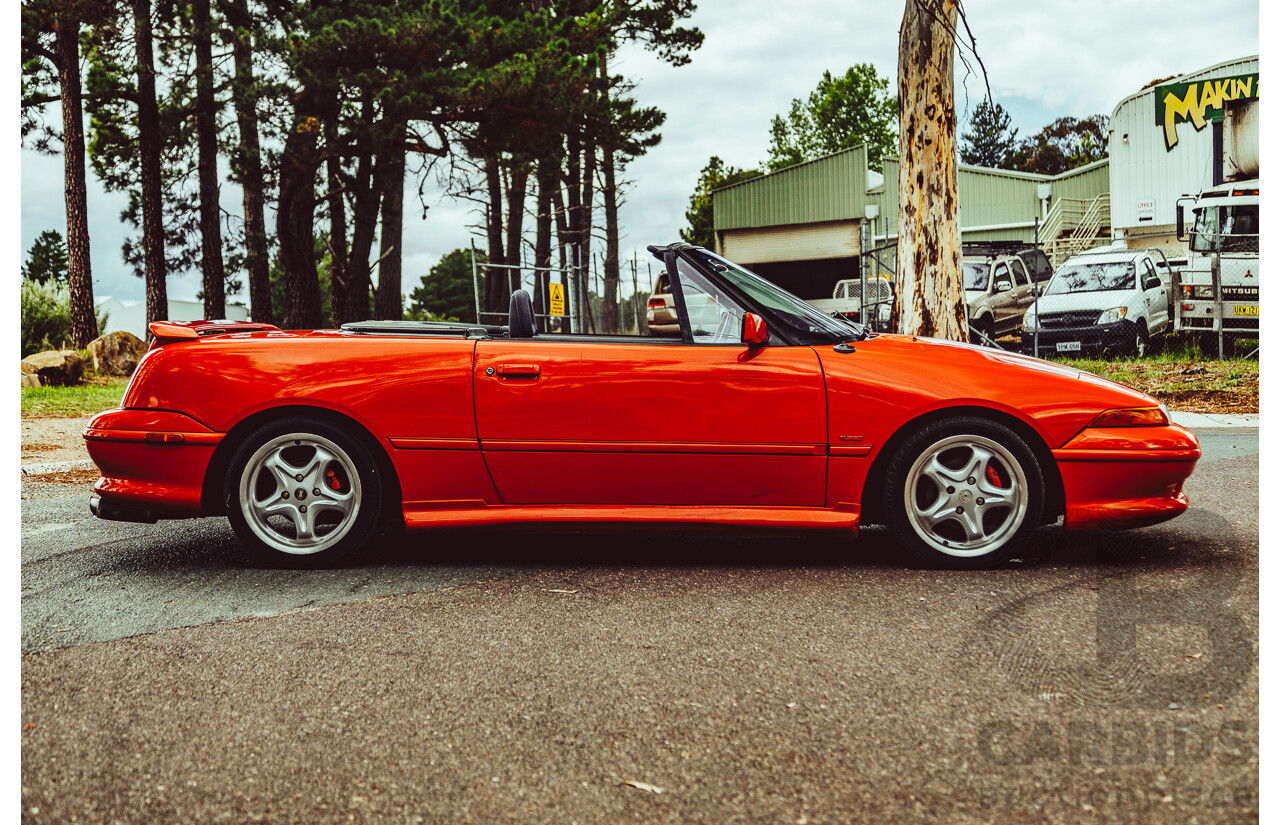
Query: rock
point(116, 353)
point(29, 380)
point(55, 368)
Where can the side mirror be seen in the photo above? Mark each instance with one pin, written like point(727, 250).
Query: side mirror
point(1003, 286)
point(754, 331)
point(1182, 224)
point(1037, 291)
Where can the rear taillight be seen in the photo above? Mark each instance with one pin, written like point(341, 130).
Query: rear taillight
point(656, 302)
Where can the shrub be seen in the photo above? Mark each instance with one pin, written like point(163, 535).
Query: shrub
point(46, 316)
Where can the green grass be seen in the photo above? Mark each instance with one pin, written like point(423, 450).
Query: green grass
point(1185, 376)
point(86, 399)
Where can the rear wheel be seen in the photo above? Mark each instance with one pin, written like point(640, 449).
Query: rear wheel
point(303, 492)
point(963, 492)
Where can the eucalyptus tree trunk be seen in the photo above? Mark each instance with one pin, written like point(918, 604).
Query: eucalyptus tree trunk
point(84, 324)
point(929, 299)
point(215, 276)
point(251, 182)
point(149, 160)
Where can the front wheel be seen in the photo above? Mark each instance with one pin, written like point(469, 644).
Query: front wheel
point(1140, 342)
point(303, 492)
point(963, 492)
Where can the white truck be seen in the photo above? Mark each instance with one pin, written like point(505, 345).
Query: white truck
point(846, 299)
point(1216, 294)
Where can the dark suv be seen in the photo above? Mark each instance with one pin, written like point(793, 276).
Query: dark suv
point(1037, 262)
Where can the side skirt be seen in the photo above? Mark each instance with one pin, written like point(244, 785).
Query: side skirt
point(442, 514)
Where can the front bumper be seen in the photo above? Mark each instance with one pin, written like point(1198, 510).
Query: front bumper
point(1093, 338)
point(153, 464)
point(1124, 477)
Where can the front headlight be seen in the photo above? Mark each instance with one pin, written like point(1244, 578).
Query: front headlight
point(1029, 320)
point(1113, 315)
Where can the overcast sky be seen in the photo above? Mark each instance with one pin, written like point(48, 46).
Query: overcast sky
point(1044, 60)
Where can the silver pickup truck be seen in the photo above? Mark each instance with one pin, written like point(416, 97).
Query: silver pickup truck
point(997, 293)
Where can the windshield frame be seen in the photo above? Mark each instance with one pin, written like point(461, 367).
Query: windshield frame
point(795, 320)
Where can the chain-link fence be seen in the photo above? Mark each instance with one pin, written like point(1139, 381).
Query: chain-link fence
point(1215, 296)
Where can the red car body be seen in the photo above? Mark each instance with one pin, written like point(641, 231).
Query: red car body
point(486, 430)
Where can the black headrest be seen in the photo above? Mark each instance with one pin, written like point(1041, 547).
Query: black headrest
point(521, 318)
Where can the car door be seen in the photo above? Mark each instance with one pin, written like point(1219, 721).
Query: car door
point(1022, 291)
point(1003, 300)
point(706, 421)
point(1155, 296)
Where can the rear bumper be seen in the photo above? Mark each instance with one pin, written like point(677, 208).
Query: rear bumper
point(1115, 479)
point(110, 511)
point(153, 464)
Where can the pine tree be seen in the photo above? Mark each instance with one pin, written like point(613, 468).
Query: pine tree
point(989, 142)
point(47, 259)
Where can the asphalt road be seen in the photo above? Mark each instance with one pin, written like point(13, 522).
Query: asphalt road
point(486, 676)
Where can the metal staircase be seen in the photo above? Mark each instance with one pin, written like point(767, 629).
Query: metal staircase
point(1074, 225)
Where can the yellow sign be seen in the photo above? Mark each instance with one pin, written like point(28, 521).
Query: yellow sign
point(1253, 310)
point(1199, 102)
point(557, 299)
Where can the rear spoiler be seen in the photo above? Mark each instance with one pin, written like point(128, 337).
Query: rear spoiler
point(167, 332)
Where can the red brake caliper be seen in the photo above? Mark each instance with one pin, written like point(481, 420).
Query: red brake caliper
point(993, 476)
point(332, 477)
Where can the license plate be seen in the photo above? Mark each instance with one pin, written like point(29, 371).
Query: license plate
point(1068, 346)
point(1246, 310)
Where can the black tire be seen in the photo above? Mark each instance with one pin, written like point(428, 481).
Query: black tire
point(1141, 342)
point(328, 515)
point(963, 448)
point(985, 327)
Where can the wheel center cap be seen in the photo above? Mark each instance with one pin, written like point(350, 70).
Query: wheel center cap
point(966, 496)
point(301, 494)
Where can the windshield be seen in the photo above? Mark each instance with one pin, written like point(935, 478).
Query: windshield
point(1226, 228)
point(1099, 277)
point(975, 276)
point(810, 324)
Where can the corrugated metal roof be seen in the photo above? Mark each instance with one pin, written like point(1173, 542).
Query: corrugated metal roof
point(830, 188)
point(835, 188)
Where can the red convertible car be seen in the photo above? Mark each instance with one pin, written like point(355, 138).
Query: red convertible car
point(763, 414)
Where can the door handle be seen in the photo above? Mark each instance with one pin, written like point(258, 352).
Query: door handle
point(519, 370)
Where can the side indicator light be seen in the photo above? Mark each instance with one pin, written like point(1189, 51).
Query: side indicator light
point(1131, 417)
point(165, 438)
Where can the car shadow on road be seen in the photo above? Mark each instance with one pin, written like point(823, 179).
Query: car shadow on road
point(1204, 537)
